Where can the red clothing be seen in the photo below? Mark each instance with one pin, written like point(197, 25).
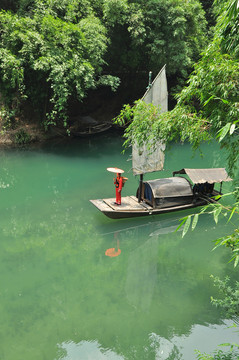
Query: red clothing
point(118, 187)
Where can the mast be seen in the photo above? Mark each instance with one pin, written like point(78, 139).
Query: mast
point(143, 160)
point(140, 187)
point(141, 176)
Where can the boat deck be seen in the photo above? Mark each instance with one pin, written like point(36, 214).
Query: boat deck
point(128, 203)
point(131, 208)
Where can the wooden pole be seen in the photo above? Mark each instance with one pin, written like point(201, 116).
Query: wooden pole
point(140, 187)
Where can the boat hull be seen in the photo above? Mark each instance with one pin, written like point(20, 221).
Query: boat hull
point(131, 208)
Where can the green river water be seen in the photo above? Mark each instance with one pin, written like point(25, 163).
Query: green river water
point(62, 298)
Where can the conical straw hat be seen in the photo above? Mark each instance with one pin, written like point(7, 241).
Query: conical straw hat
point(115, 170)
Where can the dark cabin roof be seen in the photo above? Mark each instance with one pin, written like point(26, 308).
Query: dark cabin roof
point(170, 187)
point(211, 176)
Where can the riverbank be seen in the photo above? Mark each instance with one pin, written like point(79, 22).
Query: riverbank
point(93, 115)
point(24, 133)
point(88, 120)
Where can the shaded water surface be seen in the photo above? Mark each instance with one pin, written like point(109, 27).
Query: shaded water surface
point(77, 285)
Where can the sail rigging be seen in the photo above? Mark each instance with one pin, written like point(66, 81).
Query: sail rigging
point(144, 159)
point(157, 92)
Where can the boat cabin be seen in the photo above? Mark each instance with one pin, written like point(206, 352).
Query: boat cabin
point(169, 192)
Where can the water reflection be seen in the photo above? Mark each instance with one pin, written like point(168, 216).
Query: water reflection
point(198, 339)
point(85, 350)
point(142, 275)
point(154, 227)
point(142, 261)
point(163, 348)
point(113, 252)
point(156, 347)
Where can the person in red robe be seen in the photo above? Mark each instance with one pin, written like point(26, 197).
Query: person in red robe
point(118, 181)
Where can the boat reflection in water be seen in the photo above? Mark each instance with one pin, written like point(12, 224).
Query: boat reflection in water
point(156, 281)
point(113, 252)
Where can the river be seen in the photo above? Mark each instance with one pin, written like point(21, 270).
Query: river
point(63, 298)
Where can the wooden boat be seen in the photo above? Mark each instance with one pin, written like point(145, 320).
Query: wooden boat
point(91, 130)
point(167, 195)
point(85, 126)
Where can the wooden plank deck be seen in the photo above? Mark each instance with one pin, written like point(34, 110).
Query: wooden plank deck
point(128, 203)
point(101, 205)
point(142, 203)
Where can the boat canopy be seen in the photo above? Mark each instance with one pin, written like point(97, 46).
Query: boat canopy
point(200, 176)
point(170, 187)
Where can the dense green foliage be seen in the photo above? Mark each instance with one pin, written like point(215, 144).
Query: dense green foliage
point(53, 52)
point(208, 8)
point(156, 32)
point(47, 59)
point(219, 355)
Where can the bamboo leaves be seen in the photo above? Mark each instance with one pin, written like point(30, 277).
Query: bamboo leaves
point(228, 128)
point(231, 241)
point(223, 132)
point(186, 226)
point(195, 221)
point(216, 213)
point(187, 223)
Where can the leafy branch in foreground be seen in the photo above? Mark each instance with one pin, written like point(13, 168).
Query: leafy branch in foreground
point(219, 355)
point(151, 125)
point(230, 300)
point(231, 241)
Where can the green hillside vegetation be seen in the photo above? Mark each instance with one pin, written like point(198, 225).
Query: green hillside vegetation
point(52, 54)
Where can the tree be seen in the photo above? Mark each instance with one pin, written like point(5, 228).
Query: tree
point(51, 54)
point(208, 8)
point(149, 34)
